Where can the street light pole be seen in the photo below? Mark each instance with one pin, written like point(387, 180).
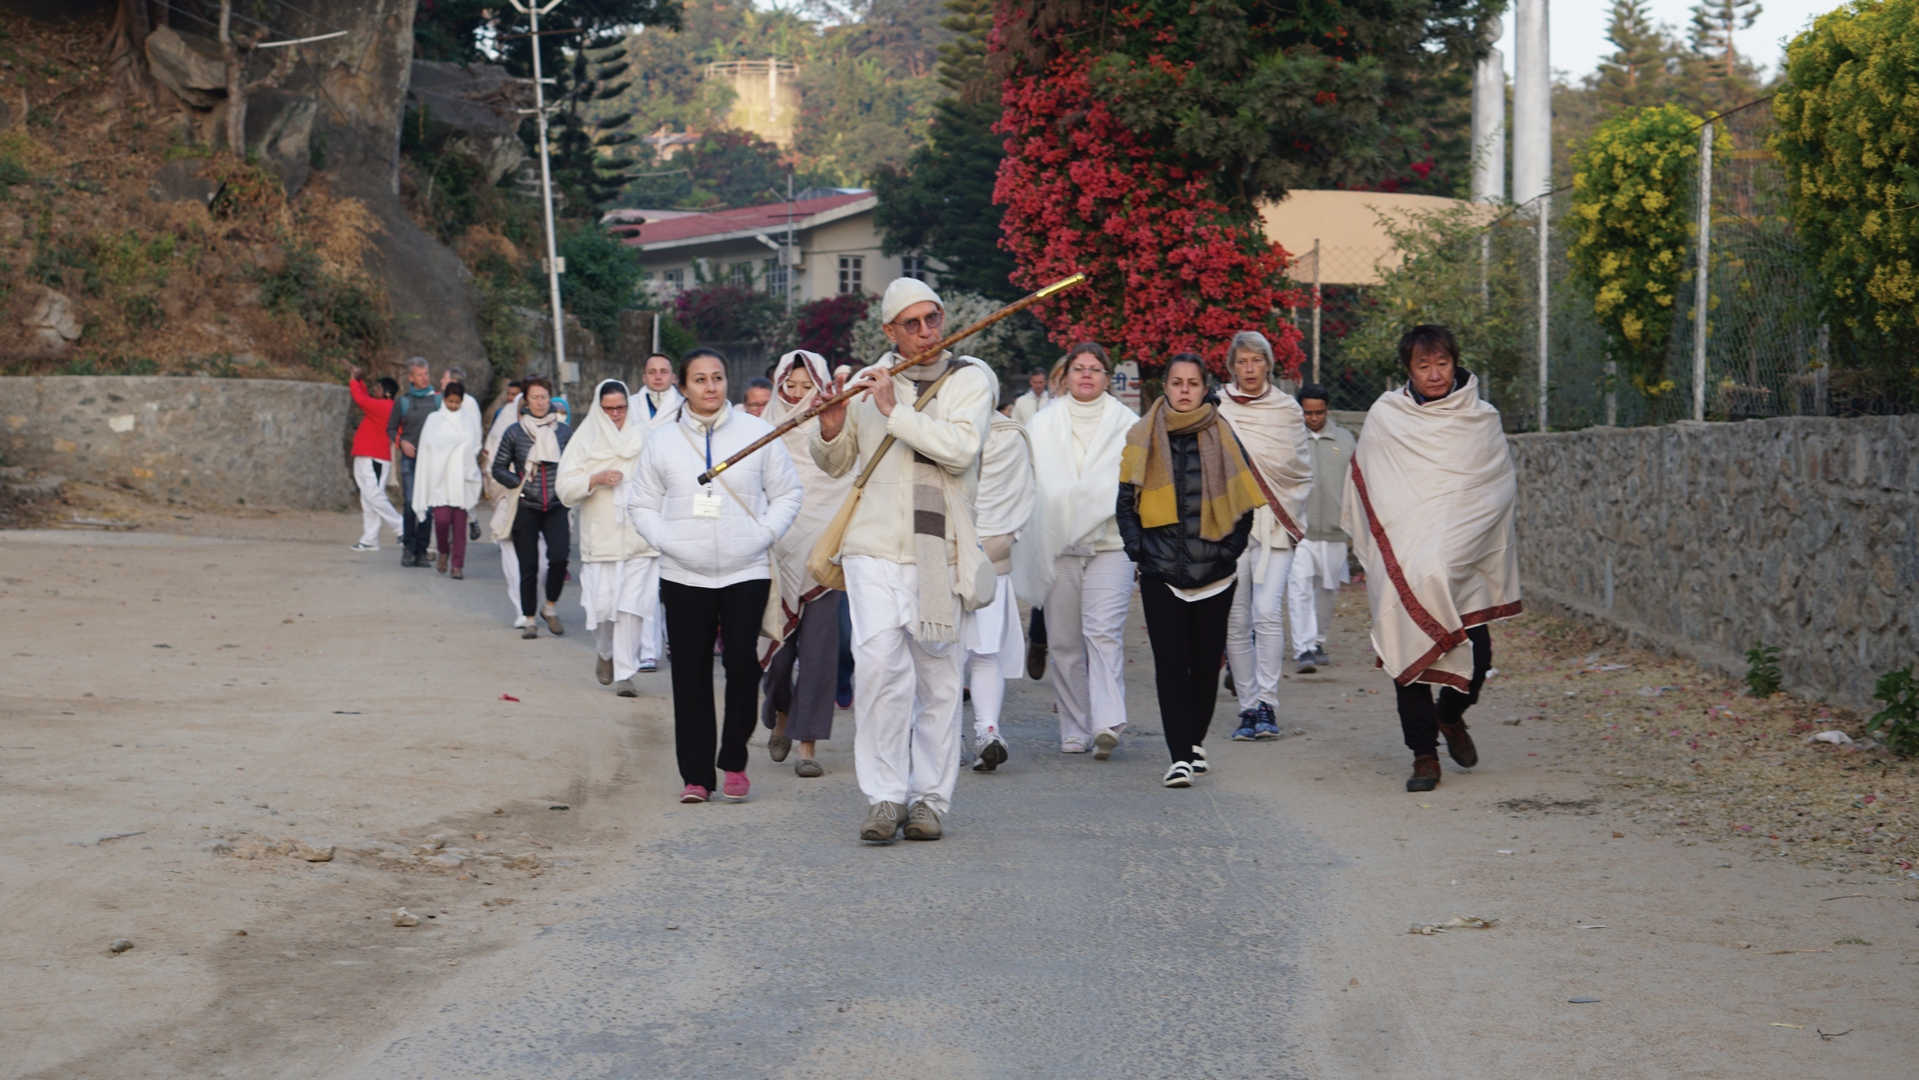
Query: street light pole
point(533, 11)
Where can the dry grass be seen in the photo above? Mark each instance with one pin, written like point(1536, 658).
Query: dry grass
point(1689, 754)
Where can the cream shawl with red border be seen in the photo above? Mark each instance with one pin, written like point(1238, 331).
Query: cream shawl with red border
point(1429, 507)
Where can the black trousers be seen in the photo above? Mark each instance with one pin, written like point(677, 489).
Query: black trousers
point(693, 616)
point(529, 524)
point(1419, 716)
point(414, 530)
point(1189, 641)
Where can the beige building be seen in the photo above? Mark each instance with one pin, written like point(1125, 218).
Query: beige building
point(1347, 230)
point(834, 247)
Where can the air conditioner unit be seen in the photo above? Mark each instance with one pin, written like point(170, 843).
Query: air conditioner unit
point(790, 256)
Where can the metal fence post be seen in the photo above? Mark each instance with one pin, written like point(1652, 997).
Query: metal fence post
point(1543, 207)
point(1701, 291)
point(1316, 296)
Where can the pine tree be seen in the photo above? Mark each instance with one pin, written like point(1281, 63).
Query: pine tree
point(586, 167)
point(1714, 22)
point(1637, 72)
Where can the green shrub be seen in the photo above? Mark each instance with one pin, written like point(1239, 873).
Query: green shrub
point(1762, 671)
point(1897, 725)
point(348, 322)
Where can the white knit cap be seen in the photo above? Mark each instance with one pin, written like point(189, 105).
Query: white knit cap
point(903, 293)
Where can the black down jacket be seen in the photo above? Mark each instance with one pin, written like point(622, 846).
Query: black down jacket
point(1175, 553)
point(509, 466)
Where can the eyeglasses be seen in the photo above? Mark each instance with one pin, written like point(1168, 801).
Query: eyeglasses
point(933, 321)
point(613, 408)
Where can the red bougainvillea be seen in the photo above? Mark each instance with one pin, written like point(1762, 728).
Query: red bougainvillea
point(1170, 267)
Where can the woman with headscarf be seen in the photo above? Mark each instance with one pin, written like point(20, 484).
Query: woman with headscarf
point(529, 461)
point(1186, 502)
point(446, 474)
point(619, 570)
point(1070, 560)
point(803, 624)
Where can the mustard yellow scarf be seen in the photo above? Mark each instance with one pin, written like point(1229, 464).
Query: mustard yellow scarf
point(1227, 486)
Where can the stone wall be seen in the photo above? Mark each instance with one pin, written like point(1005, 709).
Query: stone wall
point(211, 442)
point(1707, 539)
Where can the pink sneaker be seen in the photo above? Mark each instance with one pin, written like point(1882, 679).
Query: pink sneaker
point(734, 785)
point(693, 793)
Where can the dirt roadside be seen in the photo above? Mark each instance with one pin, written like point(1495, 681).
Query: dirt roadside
point(184, 725)
point(174, 709)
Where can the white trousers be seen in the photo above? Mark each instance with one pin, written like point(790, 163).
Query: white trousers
point(995, 652)
point(375, 508)
point(510, 565)
point(625, 641)
point(1086, 642)
point(1318, 569)
point(1256, 627)
point(906, 693)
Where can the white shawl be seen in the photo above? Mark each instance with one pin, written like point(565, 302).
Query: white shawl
point(666, 402)
point(823, 495)
point(597, 445)
point(1005, 501)
point(1072, 502)
point(446, 471)
point(1429, 507)
point(1272, 429)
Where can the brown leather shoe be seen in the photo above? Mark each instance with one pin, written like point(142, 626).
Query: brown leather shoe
point(440, 563)
point(553, 623)
point(1459, 745)
point(1425, 775)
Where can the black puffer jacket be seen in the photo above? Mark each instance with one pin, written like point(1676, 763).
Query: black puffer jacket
point(1176, 553)
point(510, 462)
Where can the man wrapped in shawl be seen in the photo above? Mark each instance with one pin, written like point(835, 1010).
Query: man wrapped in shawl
point(1429, 507)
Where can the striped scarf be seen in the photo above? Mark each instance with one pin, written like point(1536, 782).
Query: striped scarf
point(932, 539)
point(1228, 489)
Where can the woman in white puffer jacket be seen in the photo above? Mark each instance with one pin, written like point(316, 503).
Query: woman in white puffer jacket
point(713, 541)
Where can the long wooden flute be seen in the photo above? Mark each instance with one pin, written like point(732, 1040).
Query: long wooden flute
point(925, 357)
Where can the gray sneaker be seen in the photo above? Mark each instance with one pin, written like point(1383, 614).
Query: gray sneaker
point(627, 689)
point(1319, 655)
point(1305, 664)
point(922, 822)
point(603, 670)
point(882, 822)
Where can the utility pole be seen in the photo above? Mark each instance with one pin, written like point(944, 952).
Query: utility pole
point(533, 11)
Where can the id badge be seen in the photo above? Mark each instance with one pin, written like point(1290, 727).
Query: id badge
point(706, 503)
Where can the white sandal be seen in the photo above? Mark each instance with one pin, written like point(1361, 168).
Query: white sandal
point(1178, 774)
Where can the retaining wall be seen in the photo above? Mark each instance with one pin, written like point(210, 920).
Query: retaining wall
point(212, 442)
point(1799, 532)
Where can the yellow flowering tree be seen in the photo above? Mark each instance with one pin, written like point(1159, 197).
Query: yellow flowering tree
point(1633, 222)
point(1848, 137)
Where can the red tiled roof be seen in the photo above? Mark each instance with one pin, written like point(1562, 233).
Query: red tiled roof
point(741, 219)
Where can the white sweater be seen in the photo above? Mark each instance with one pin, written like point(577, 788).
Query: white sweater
point(950, 432)
point(712, 552)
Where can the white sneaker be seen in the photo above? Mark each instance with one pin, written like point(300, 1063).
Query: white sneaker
point(1200, 767)
point(364, 546)
point(1104, 744)
point(519, 622)
point(1178, 774)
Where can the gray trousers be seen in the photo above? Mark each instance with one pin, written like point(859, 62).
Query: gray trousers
point(807, 700)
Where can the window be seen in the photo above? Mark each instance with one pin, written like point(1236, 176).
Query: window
point(775, 276)
point(852, 274)
point(913, 266)
point(741, 274)
point(674, 279)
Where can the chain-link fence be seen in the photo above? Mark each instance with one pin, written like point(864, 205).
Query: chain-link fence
point(1763, 345)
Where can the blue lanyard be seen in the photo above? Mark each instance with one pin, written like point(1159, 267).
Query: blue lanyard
point(709, 448)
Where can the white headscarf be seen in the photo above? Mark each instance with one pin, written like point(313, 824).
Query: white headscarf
point(824, 494)
point(598, 444)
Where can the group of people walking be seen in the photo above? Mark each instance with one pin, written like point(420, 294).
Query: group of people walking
point(907, 524)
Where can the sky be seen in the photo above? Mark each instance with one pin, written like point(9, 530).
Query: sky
point(1578, 30)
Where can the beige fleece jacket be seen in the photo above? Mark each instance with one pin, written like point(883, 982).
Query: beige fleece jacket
point(951, 432)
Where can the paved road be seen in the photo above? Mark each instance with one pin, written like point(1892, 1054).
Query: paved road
point(1078, 920)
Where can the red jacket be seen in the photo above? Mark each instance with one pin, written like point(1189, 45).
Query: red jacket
point(370, 439)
